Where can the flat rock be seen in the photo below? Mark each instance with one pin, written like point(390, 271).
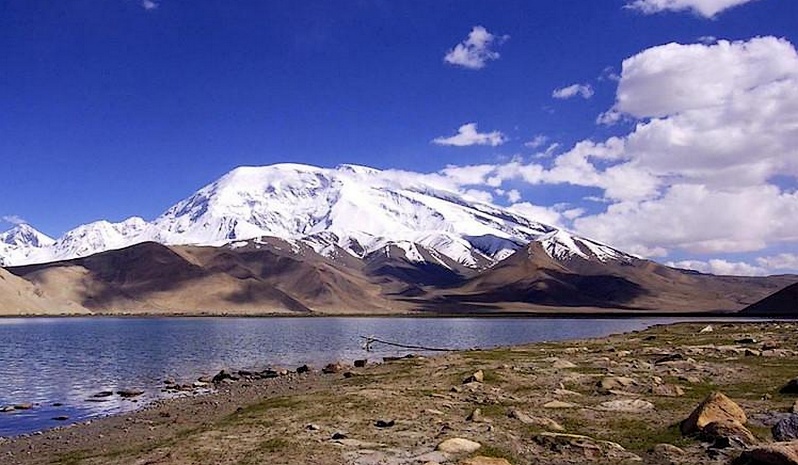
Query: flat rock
point(561, 364)
point(727, 433)
point(561, 442)
point(559, 404)
point(128, 393)
point(780, 453)
point(482, 460)
point(611, 383)
point(667, 390)
point(627, 405)
point(786, 429)
point(542, 422)
point(715, 407)
point(331, 368)
point(668, 451)
point(456, 446)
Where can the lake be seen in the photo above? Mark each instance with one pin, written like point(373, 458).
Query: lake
point(58, 364)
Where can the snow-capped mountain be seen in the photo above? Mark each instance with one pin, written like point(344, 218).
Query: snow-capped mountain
point(24, 235)
point(355, 209)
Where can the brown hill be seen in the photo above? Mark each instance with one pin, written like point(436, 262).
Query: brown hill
point(782, 303)
point(20, 297)
point(531, 279)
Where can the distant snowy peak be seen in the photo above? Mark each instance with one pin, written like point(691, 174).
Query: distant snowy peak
point(350, 209)
point(24, 235)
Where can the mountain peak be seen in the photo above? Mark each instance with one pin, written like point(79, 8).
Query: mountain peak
point(25, 235)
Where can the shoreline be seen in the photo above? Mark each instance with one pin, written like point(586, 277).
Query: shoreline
point(399, 389)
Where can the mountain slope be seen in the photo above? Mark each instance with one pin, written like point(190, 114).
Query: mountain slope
point(19, 297)
point(782, 303)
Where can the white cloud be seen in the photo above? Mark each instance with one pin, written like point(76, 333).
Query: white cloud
point(781, 262)
point(14, 219)
point(705, 8)
point(583, 90)
point(720, 267)
point(149, 5)
point(513, 195)
point(468, 135)
point(476, 50)
point(537, 141)
point(545, 215)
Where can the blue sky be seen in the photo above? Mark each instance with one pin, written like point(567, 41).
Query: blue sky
point(572, 110)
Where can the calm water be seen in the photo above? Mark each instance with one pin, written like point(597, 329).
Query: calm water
point(52, 361)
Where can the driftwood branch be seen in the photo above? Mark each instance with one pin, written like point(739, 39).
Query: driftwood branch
point(369, 340)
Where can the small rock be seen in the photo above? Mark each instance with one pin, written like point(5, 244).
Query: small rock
point(475, 415)
point(541, 422)
point(349, 374)
point(222, 376)
point(384, 423)
point(559, 404)
point(361, 363)
point(781, 453)
point(667, 390)
point(482, 460)
point(303, 369)
point(715, 407)
point(706, 329)
point(669, 358)
point(128, 393)
point(7, 408)
point(746, 340)
point(668, 450)
point(752, 353)
point(332, 368)
point(561, 442)
point(627, 405)
point(770, 345)
point(103, 394)
point(312, 427)
point(786, 429)
point(791, 387)
point(561, 364)
point(269, 374)
point(338, 435)
point(61, 418)
point(476, 377)
point(610, 383)
point(23, 406)
point(726, 433)
point(456, 446)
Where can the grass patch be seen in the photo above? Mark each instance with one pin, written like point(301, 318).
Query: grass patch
point(639, 435)
point(498, 452)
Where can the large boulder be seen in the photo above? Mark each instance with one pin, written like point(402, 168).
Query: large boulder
point(727, 433)
point(715, 408)
point(786, 429)
point(780, 453)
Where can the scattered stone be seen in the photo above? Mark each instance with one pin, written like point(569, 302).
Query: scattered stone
point(129, 393)
point(667, 390)
point(332, 368)
point(612, 383)
point(669, 358)
point(562, 364)
point(303, 369)
point(627, 405)
point(338, 436)
point(791, 387)
point(349, 374)
point(752, 353)
point(384, 423)
point(726, 433)
point(746, 340)
point(312, 427)
point(706, 329)
point(781, 453)
point(7, 408)
point(23, 406)
point(57, 404)
point(361, 363)
point(561, 442)
point(714, 408)
point(475, 415)
point(542, 422)
point(668, 451)
point(456, 446)
point(482, 460)
point(269, 374)
point(559, 404)
point(103, 394)
point(432, 411)
point(786, 429)
point(566, 393)
point(770, 345)
point(476, 377)
point(61, 418)
point(222, 376)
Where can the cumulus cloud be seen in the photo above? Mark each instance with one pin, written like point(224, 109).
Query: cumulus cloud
point(149, 5)
point(13, 219)
point(468, 135)
point(705, 8)
point(780, 263)
point(476, 50)
point(537, 141)
point(582, 90)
